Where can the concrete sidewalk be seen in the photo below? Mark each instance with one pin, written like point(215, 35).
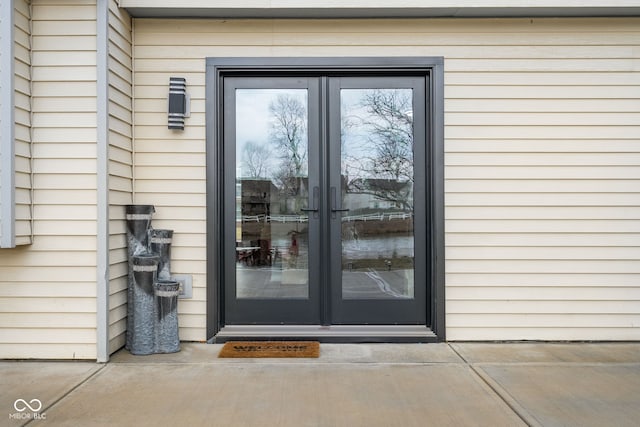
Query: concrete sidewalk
point(349, 385)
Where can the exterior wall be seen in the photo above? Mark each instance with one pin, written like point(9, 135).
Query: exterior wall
point(170, 165)
point(48, 289)
point(22, 99)
point(120, 167)
point(542, 159)
point(21, 185)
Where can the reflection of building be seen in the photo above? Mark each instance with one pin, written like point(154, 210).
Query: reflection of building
point(263, 197)
point(376, 193)
point(294, 193)
point(267, 216)
point(259, 197)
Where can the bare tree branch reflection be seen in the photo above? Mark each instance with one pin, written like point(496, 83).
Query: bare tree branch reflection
point(288, 134)
point(288, 131)
point(385, 168)
point(255, 157)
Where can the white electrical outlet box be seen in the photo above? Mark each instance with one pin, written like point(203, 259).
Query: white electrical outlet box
point(186, 285)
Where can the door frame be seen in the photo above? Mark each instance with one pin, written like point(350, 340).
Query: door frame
point(216, 71)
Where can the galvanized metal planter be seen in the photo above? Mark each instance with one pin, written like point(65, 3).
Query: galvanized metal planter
point(152, 312)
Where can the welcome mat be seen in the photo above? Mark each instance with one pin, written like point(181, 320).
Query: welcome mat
point(249, 349)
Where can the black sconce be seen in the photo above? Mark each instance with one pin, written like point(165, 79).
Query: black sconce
point(178, 102)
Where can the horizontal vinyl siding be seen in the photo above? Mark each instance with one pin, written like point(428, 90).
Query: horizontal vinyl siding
point(120, 168)
point(23, 122)
point(48, 289)
point(543, 192)
point(21, 227)
point(542, 163)
point(170, 174)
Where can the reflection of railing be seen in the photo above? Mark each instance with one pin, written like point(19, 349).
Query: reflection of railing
point(350, 218)
point(275, 218)
point(399, 215)
point(252, 218)
point(368, 217)
point(287, 218)
point(378, 216)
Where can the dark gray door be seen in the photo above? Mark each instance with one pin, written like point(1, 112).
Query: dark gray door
point(324, 200)
point(377, 200)
point(271, 186)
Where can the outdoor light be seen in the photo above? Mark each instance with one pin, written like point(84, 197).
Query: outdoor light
point(178, 102)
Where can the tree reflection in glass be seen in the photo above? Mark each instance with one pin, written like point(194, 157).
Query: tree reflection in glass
point(377, 188)
point(271, 188)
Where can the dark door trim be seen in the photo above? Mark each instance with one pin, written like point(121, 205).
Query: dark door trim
point(219, 68)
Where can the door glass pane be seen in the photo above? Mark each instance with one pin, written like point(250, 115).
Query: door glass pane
point(377, 189)
point(271, 189)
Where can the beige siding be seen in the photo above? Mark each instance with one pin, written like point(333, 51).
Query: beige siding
point(23, 121)
point(170, 168)
point(120, 167)
point(48, 289)
point(21, 126)
point(542, 159)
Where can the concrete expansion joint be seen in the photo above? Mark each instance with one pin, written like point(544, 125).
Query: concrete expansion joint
point(559, 363)
point(289, 363)
point(101, 367)
point(499, 391)
point(504, 395)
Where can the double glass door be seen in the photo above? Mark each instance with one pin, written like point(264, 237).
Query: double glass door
point(324, 200)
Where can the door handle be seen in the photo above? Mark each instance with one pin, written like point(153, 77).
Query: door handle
point(334, 204)
point(314, 206)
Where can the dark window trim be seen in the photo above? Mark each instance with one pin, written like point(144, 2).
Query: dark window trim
point(218, 68)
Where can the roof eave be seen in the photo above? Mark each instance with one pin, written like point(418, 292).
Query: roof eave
point(378, 12)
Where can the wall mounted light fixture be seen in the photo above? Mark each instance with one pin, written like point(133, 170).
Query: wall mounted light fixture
point(178, 102)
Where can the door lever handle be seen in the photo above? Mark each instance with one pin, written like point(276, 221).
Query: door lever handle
point(334, 207)
point(314, 206)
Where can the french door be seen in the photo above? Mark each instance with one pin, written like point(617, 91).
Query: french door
point(325, 196)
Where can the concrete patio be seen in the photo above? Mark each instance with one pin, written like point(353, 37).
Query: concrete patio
point(456, 384)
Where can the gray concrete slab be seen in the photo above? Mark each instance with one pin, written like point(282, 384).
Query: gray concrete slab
point(47, 382)
point(460, 384)
point(329, 353)
point(549, 352)
point(576, 395)
point(562, 384)
point(268, 394)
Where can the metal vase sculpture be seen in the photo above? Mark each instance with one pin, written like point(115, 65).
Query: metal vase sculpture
point(152, 305)
point(160, 244)
point(138, 223)
point(166, 291)
point(166, 328)
point(145, 269)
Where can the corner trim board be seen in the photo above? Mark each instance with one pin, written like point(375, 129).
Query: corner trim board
point(7, 131)
point(102, 160)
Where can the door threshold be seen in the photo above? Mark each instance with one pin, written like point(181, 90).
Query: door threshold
point(329, 334)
